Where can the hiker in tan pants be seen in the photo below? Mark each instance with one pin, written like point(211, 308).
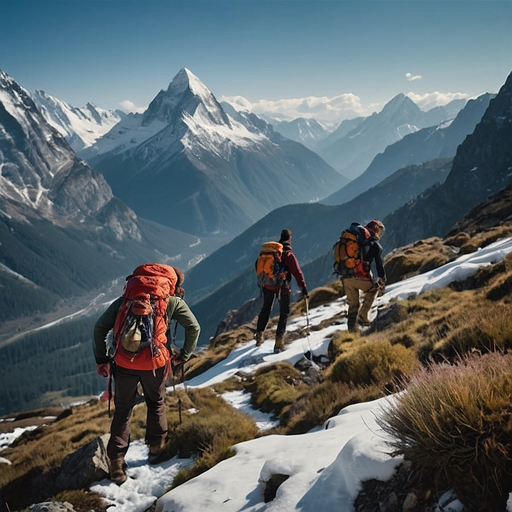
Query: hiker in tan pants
point(372, 253)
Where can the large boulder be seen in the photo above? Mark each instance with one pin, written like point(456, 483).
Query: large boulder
point(88, 464)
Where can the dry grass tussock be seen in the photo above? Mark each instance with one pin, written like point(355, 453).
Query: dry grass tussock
point(374, 362)
point(319, 403)
point(417, 258)
point(485, 238)
point(44, 448)
point(455, 423)
point(274, 387)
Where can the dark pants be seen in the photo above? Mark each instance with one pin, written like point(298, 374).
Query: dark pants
point(284, 309)
point(125, 395)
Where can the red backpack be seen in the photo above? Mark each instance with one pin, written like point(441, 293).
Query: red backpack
point(142, 321)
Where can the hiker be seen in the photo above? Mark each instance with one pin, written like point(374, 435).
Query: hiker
point(364, 282)
point(150, 367)
point(290, 267)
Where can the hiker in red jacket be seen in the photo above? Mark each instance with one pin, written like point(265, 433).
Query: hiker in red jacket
point(150, 368)
point(283, 293)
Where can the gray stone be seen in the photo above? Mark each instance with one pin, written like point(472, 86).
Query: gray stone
point(88, 464)
point(52, 506)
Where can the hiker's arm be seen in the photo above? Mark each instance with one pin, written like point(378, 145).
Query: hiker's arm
point(184, 316)
point(103, 325)
point(381, 272)
point(293, 266)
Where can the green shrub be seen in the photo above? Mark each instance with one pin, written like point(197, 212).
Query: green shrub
point(276, 386)
point(455, 424)
point(376, 362)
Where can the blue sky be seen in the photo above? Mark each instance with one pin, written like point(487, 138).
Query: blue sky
point(110, 51)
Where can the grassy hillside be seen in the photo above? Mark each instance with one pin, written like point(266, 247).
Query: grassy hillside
point(409, 344)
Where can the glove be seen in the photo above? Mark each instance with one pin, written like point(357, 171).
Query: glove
point(305, 292)
point(177, 361)
point(103, 370)
point(381, 284)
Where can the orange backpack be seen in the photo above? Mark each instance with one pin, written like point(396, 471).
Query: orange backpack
point(348, 252)
point(269, 267)
point(142, 321)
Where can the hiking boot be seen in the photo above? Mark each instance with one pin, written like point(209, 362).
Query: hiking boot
point(118, 470)
point(363, 320)
point(351, 323)
point(155, 453)
point(259, 338)
point(279, 344)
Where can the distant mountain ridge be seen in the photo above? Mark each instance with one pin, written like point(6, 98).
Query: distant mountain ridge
point(481, 168)
point(81, 127)
point(439, 141)
point(202, 170)
point(351, 152)
point(306, 131)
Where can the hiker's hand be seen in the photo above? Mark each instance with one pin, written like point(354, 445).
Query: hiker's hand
point(381, 284)
point(177, 362)
point(305, 292)
point(103, 369)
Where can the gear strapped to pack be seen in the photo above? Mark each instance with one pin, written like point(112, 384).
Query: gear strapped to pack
point(142, 321)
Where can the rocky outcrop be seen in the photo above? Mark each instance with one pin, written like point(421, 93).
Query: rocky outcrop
point(88, 464)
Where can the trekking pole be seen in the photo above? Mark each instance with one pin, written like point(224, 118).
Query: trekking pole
point(307, 327)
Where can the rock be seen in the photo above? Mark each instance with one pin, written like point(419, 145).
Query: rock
point(410, 502)
point(272, 485)
point(52, 506)
point(88, 464)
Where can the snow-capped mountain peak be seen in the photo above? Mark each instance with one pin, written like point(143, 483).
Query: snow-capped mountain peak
point(400, 103)
point(185, 94)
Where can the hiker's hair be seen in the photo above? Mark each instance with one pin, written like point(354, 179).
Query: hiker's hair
point(375, 227)
point(179, 291)
point(286, 234)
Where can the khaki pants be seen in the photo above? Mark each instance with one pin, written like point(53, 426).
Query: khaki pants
point(353, 286)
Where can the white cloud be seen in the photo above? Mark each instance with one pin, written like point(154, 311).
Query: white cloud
point(131, 107)
point(410, 77)
point(335, 109)
point(435, 99)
